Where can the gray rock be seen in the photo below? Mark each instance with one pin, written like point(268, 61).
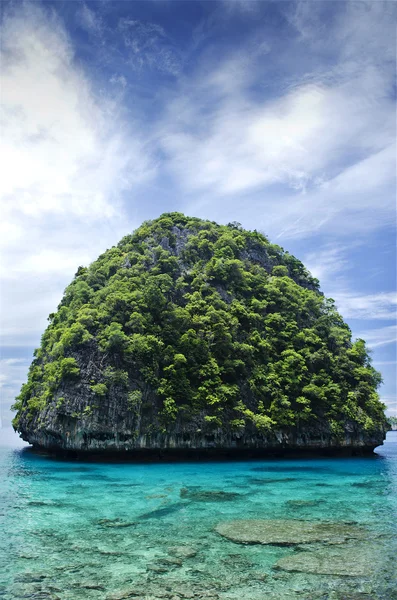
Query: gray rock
point(89, 585)
point(115, 523)
point(287, 532)
point(303, 503)
point(75, 421)
point(122, 595)
point(30, 577)
point(343, 563)
point(182, 552)
point(197, 495)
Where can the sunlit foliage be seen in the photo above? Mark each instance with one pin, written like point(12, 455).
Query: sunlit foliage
point(217, 321)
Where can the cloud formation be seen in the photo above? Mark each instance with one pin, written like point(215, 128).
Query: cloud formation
point(148, 46)
point(380, 337)
point(367, 306)
point(67, 157)
point(326, 137)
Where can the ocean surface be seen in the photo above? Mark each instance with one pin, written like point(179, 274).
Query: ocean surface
point(76, 530)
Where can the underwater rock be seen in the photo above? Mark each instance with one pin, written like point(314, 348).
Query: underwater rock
point(343, 563)
point(303, 503)
point(157, 568)
point(270, 480)
point(112, 553)
point(28, 593)
point(30, 577)
point(237, 561)
point(122, 595)
point(182, 552)
point(115, 523)
point(208, 495)
point(368, 484)
point(287, 532)
point(90, 585)
point(354, 596)
point(172, 561)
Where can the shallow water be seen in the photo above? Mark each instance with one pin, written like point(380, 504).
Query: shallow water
point(73, 530)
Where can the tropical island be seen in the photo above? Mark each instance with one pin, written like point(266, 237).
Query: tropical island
point(192, 336)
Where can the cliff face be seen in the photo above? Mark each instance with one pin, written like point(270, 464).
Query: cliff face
point(191, 335)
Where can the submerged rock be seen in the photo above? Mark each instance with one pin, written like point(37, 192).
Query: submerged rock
point(287, 532)
point(115, 523)
point(271, 481)
point(343, 563)
point(303, 503)
point(197, 495)
point(29, 577)
point(89, 585)
point(182, 552)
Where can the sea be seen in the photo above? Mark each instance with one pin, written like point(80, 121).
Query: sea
point(75, 530)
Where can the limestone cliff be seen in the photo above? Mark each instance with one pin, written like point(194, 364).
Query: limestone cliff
point(191, 335)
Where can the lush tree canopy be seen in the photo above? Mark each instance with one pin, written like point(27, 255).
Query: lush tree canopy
point(215, 321)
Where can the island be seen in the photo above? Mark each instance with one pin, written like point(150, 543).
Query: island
point(191, 338)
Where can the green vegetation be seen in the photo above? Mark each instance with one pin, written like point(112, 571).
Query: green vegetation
point(392, 422)
point(210, 320)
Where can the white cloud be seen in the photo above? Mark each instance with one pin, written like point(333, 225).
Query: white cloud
point(391, 403)
point(295, 137)
point(301, 140)
point(379, 337)
point(60, 149)
point(328, 139)
point(332, 265)
point(352, 305)
point(383, 363)
point(67, 156)
point(327, 262)
point(336, 208)
point(90, 21)
point(148, 46)
point(119, 80)
point(359, 30)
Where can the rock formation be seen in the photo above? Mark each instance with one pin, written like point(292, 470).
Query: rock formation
point(189, 335)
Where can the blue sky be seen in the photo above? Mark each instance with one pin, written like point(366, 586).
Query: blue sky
point(279, 115)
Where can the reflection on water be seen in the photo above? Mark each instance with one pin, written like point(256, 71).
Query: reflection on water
point(74, 531)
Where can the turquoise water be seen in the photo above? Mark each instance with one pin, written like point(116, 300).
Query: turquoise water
point(75, 530)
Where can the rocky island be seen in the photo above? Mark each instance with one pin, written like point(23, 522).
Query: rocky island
point(194, 337)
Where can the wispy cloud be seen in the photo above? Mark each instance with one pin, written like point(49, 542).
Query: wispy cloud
point(65, 144)
point(67, 157)
point(118, 80)
point(379, 337)
point(383, 363)
point(328, 262)
point(360, 30)
point(90, 20)
point(391, 404)
point(327, 138)
point(148, 46)
point(367, 306)
point(301, 140)
point(333, 265)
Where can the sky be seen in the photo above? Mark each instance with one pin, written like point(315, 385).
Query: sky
point(278, 115)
